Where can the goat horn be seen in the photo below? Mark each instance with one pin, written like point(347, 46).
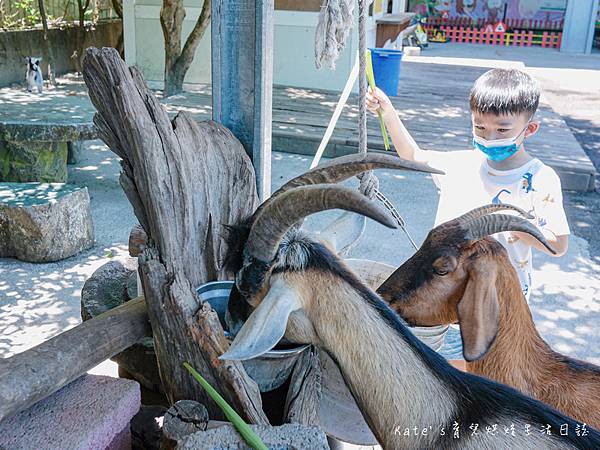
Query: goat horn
point(344, 167)
point(274, 220)
point(497, 223)
point(488, 209)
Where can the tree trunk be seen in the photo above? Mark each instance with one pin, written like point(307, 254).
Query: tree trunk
point(170, 177)
point(47, 48)
point(304, 393)
point(118, 7)
point(82, 8)
point(178, 59)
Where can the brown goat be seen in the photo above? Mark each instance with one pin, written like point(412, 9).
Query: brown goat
point(459, 275)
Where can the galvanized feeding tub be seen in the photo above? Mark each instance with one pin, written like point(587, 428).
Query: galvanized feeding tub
point(339, 415)
point(269, 370)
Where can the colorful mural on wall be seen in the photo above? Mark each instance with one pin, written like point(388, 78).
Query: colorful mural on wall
point(492, 10)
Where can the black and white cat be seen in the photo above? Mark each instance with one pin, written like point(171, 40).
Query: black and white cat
point(34, 75)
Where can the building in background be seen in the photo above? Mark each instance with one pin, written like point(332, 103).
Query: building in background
point(294, 36)
point(568, 24)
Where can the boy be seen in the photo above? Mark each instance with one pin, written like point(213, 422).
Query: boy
point(498, 169)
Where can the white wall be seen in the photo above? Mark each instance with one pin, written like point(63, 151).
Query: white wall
point(293, 59)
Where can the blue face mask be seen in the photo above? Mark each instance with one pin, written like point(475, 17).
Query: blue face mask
point(498, 149)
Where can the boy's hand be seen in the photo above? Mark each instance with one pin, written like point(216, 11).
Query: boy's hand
point(377, 100)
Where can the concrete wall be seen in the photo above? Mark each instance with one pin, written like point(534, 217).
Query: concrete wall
point(293, 59)
point(16, 45)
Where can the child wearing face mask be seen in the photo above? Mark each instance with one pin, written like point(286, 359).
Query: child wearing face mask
point(498, 170)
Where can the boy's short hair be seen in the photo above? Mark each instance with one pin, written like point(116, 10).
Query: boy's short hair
point(505, 91)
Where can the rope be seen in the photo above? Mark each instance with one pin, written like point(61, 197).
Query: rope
point(362, 79)
point(335, 22)
point(368, 181)
point(329, 41)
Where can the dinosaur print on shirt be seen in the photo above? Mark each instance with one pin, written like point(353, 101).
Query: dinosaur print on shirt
point(527, 183)
point(496, 200)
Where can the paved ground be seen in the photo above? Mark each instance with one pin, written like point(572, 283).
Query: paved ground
point(38, 301)
point(570, 85)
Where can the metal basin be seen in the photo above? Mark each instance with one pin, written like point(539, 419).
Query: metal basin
point(374, 273)
point(271, 369)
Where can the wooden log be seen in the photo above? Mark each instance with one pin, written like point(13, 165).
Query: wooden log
point(304, 394)
point(40, 371)
point(185, 180)
point(182, 419)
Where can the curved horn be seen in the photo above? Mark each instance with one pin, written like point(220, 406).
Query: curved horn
point(278, 216)
point(497, 223)
point(488, 209)
point(344, 167)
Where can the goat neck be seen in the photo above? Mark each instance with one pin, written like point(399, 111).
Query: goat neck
point(517, 355)
point(378, 366)
point(520, 358)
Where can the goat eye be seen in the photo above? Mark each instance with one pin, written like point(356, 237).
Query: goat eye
point(440, 272)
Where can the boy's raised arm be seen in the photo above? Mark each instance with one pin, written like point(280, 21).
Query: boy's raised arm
point(405, 145)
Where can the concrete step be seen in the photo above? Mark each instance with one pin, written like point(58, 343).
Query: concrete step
point(91, 413)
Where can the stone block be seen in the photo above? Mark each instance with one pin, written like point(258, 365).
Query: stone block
point(107, 288)
point(75, 151)
point(44, 222)
point(91, 413)
point(285, 437)
point(27, 161)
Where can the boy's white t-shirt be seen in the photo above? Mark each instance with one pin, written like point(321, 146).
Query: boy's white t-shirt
point(470, 182)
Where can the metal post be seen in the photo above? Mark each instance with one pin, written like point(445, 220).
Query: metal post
point(242, 77)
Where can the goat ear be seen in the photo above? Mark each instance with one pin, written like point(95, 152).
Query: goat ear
point(266, 325)
point(478, 311)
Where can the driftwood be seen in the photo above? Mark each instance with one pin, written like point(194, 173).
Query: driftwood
point(304, 393)
point(182, 419)
point(40, 371)
point(184, 180)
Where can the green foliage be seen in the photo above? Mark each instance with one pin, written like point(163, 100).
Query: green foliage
point(371, 81)
point(242, 427)
point(26, 15)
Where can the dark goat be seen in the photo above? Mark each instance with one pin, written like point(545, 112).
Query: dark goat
point(334, 171)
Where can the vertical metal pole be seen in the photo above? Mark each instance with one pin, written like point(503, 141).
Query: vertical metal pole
point(242, 77)
point(263, 95)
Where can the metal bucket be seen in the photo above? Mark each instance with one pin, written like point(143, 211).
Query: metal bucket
point(374, 273)
point(271, 369)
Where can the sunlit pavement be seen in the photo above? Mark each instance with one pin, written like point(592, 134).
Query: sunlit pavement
point(38, 301)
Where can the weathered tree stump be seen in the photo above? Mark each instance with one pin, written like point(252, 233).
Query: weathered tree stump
point(185, 180)
point(182, 419)
point(42, 222)
point(304, 394)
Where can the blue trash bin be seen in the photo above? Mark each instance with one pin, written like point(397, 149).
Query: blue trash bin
point(386, 68)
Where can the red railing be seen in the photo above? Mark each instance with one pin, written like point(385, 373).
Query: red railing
point(521, 38)
point(548, 25)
